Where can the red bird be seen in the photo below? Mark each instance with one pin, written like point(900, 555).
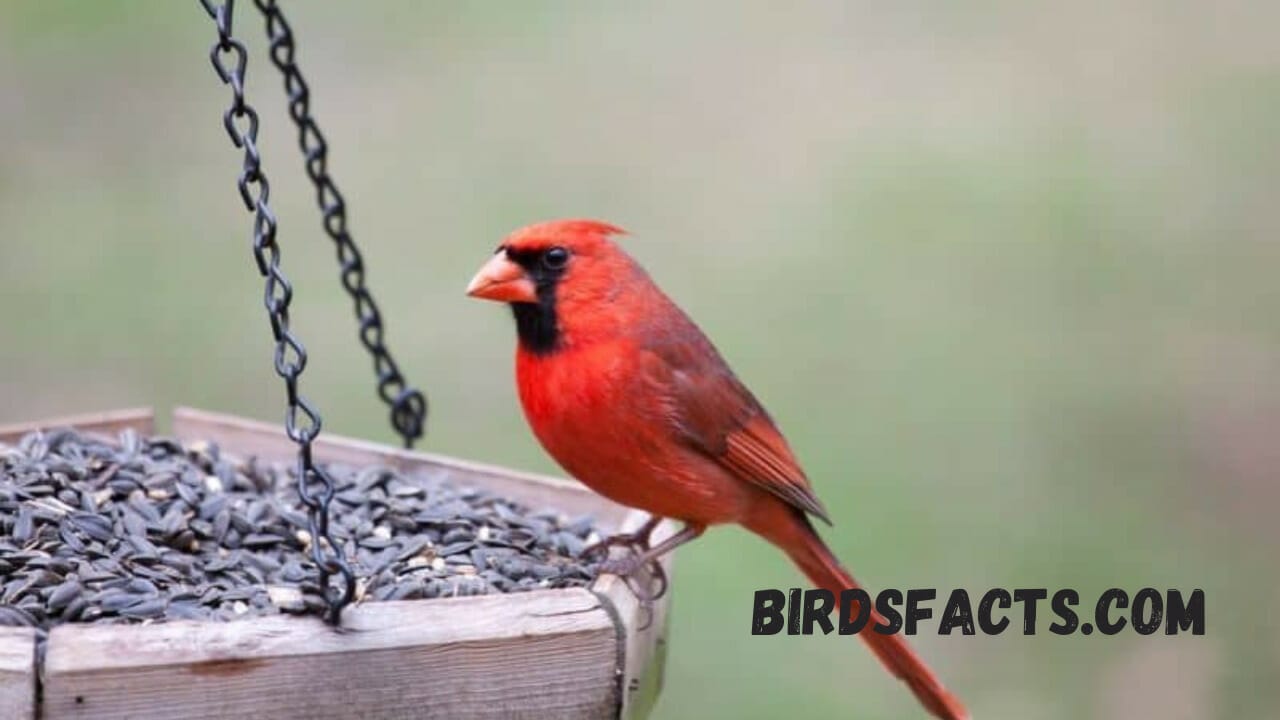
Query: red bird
point(629, 396)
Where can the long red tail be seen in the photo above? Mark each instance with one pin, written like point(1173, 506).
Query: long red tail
point(790, 530)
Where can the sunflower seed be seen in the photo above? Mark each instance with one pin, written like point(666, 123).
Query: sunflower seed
point(145, 529)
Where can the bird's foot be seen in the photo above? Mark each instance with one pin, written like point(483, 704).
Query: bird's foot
point(642, 571)
point(635, 542)
point(649, 585)
point(631, 542)
point(644, 575)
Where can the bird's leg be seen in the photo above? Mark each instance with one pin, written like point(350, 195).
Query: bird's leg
point(627, 567)
point(637, 541)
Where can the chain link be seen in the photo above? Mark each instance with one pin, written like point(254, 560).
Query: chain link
point(302, 421)
point(408, 405)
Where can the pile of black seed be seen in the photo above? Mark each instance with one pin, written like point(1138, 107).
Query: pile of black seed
point(151, 528)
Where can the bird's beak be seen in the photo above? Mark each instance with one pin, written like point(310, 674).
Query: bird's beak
point(504, 281)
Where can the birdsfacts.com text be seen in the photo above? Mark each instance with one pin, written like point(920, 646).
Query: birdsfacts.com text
point(1145, 612)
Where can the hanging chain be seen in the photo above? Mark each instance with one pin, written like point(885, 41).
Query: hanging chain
point(408, 405)
point(302, 421)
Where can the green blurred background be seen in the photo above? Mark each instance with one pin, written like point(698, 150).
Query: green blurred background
point(1004, 272)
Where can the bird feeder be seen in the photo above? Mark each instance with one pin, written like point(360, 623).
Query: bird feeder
point(592, 652)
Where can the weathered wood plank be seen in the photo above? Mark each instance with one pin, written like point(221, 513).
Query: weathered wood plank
point(106, 423)
point(645, 628)
point(17, 673)
point(254, 437)
point(547, 654)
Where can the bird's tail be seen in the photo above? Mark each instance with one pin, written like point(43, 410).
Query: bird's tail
point(789, 529)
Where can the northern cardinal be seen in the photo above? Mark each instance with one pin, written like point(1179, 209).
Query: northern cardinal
point(629, 396)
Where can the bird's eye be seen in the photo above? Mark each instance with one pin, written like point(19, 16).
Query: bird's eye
point(555, 258)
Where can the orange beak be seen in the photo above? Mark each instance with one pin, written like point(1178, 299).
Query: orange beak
point(503, 281)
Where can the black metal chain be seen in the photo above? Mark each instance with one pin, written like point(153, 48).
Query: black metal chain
point(315, 487)
point(408, 405)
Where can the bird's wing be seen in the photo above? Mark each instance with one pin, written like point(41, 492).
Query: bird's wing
point(718, 416)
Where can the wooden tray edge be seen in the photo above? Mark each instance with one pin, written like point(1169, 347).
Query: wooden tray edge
point(140, 419)
point(642, 631)
point(17, 672)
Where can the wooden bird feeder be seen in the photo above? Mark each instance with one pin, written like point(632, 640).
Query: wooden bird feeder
point(591, 652)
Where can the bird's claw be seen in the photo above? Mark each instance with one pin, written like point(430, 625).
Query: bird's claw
point(639, 567)
point(636, 542)
point(645, 577)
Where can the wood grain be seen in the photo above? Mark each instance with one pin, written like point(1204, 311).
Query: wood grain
point(106, 423)
point(17, 672)
point(547, 654)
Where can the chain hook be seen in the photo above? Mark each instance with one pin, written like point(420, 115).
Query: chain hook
point(408, 406)
point(302, 420)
